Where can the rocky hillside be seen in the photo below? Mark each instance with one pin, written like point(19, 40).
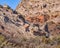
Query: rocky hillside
point(34, 24)
point(42, 13)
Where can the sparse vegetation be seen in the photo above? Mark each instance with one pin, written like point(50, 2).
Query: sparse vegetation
point(8, 7)
point(30, 29)
point(37, 42)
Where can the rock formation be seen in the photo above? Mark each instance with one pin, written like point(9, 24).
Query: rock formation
point(30, 19)
point(38, 7)
point(40, 12)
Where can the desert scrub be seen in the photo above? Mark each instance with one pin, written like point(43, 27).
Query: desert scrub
point(58, 40)
point(5, 44)
point(8, 7)
point(48, 41)
point(58, 46)
point(1, 39)
point(43, 39)
point(30, 43)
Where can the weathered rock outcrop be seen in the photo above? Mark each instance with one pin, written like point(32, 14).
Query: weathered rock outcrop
point(12, 24)
point(41, 12)
point(32, 18)
point(38, 7)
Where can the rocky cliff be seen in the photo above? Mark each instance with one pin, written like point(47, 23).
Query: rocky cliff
point(41, 13)
point(38, 7)
point(31, 19)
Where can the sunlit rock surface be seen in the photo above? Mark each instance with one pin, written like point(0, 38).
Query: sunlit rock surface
point(34, 24)
point(41, 13)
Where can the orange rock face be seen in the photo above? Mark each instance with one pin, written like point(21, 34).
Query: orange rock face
point(37, 19)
